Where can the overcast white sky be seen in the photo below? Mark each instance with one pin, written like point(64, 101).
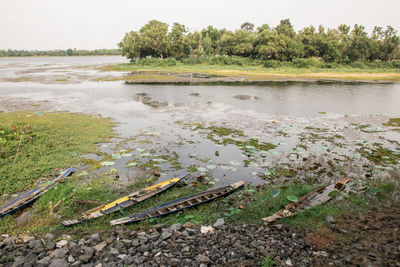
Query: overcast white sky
point(91, 24)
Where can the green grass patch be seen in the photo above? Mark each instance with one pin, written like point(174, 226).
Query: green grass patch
point(34, 145)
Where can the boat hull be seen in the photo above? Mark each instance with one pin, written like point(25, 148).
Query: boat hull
point(30, 196)
point(180, 204)
point(124, 202)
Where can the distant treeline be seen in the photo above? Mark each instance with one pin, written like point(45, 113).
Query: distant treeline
point(265, 43)
point(67, 52)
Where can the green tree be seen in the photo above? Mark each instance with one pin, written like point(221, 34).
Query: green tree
point(176, 39)
point(153, 39)
point(358, 44)
point(129, 45)
point(247, 27)
point(239, 43)
point(192, 44)
point(214, 36)
point(390, 44)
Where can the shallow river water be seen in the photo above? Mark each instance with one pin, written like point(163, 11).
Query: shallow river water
point(279, 132)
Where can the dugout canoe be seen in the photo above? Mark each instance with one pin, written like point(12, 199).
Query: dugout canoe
point(180, 204)
point(124, 202)
point(30, 196)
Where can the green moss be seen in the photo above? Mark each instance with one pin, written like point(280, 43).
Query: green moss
point(282, 133)
point(277, 172)
point(379, 154)
point(394, 122)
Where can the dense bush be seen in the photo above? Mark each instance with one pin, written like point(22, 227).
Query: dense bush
point(158, 62)
point(272, 64)
point(307, 62)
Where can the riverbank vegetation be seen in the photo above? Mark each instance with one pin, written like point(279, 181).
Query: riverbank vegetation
point(247, 70)
point(59, 52)
point(265, 45)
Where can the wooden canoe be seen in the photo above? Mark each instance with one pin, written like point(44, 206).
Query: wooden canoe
point(124, 202)
point(180, 204)
point(30, 196)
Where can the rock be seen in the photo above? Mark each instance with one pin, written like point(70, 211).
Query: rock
point(66, 237)
point(142, 239)
point(26, 238)
point(321, 254)
point(58, 263)
point(203, 265)
point(30, 260)
point(25, 217)
point(176, 227)
point(35, 244)
point(206, 229)
point(18, 264)
point(101, 246)
point(173, 261)
point(50, 245)
point(59, 253)
point(71, 259)
point(288, 262)
point(278, 226)
point(87, 254)
point(159, 227)
point(219, 223)
point(186, 249)
point(166, 234)
point(49, 236)
point(135, 242)
point(358, 246)
point(154, 236)
point(95, 237)
point(76, 264)
point(45, 261)
point(202, 258)
point(122, 256)
point(189, 225)
point(329, 219)
point(114, 251)
point(61, 243)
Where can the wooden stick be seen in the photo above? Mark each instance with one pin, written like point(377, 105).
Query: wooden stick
point(16, 154)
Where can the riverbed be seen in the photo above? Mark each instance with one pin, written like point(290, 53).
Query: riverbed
point(273, 133)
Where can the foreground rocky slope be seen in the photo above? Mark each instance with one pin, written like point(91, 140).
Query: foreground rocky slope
point(173, 246)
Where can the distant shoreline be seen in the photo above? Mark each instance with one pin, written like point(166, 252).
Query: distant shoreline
point(212, 74)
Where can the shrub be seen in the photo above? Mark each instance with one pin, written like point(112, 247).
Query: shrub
point(357, 65)
point(272, 64)
point(330, 65)
point(307, 62)
point(396, 64)
point(158, 61)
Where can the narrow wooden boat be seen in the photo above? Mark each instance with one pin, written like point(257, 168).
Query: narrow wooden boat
point(30, 196)
point(180, 204)
point(124, 202)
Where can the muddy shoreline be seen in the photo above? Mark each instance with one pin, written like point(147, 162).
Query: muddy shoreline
point(181, 78)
